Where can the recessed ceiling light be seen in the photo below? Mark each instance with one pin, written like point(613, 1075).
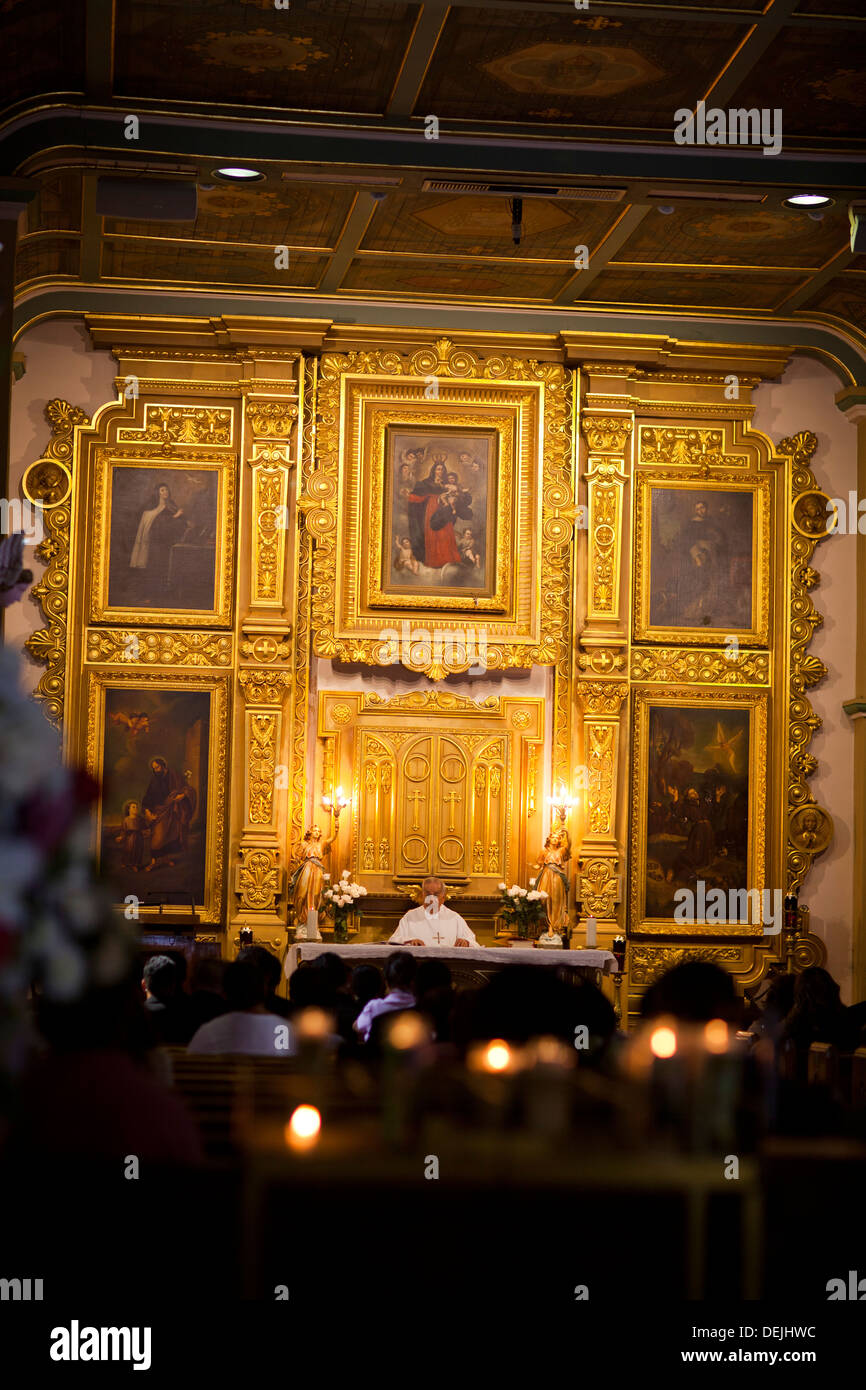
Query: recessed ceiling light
point(237, 173)
point(808, 200)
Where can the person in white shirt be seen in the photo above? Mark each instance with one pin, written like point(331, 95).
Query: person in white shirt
point(433, 924)
point(399, 977)
point(248, 1027)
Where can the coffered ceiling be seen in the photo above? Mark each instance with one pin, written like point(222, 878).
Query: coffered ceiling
point(331, 100)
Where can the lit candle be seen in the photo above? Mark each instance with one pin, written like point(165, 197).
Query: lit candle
point(303, 1129)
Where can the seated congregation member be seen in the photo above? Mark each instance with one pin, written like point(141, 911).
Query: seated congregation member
point(818, 1014)
point(270, 967)
point(367, 983)
point(248, 1027)
point(163, 1000)
point(694, 991)
point(205, 999)
point(339, 994)
point(434, 994)
point(399, 979)
point(433, 924)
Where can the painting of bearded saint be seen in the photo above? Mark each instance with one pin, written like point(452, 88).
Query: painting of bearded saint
point(701, 558)
point(697, 803)
point(154, 792)
point(440, 511)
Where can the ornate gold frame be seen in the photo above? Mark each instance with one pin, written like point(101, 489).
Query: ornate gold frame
point(530, 397)
point(108, 460)
point(685, 698)
point(379, 538)
point(97, 683)
point(757, 634)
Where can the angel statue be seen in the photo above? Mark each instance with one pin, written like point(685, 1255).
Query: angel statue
point(308, 878)
point(553, 879)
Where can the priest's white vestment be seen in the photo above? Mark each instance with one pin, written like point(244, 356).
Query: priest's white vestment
point(442, 928)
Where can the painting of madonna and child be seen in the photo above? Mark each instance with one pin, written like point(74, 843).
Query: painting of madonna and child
point(697, 804)
point(440, 511)
point(154, 792)
point(162, 549)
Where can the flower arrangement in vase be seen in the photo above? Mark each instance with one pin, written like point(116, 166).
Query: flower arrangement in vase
point(340, 902)
point(522, 908)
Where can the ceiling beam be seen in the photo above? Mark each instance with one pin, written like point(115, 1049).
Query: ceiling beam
point(616, 237)
point(753, 46)
point(352, 235)
point(416, 60)
point(833, 267)
point(99, 49)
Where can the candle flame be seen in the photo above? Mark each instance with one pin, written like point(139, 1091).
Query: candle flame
point(302, 1130)
point(663, 1042)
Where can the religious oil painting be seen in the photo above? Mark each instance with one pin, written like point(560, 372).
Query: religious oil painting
point(152, 752)
point(165, 554)
point(439, 494)
point(706, 572)
point(698, 807)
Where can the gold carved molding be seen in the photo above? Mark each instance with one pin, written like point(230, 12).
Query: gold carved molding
point(699, 666)
point(810, 827)
point(48, 483)
point(111, 646)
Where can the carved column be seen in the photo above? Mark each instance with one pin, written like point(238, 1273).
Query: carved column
point(270, 422)
point(852, 402)
point(599, 859)
point(258, 875)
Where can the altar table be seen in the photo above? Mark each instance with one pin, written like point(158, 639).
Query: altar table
point(469, 965)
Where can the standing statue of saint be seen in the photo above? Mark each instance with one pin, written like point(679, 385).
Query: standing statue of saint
point(308, 878)
point(553, 879)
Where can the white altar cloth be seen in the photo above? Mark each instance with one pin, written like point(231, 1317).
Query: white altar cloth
point(598, 959)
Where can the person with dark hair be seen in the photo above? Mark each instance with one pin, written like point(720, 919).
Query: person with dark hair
point(399, 978)
point(367, 984)
point(205, 1000)
point(434, 993)
point(694, 991)
point(818, 1014)
point(340, 1001)
point(272, 971)
point(248, 1026)
point(775, 1002)
point(161, 981)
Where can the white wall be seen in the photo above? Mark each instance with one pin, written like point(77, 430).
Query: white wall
point(60, 363)
point(804, 400)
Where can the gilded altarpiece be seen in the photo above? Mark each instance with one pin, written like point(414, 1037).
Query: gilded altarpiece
point(219, 531)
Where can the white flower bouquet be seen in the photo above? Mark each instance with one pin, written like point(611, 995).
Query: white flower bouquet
point(522, 908)
point(340, 901)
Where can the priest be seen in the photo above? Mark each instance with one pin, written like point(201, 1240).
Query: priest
point(433, 924)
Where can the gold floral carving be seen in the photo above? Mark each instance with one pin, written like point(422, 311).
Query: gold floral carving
point(440, 700)
point(646, 963)
point(270, 467)
point(598, 884)
point(130, 647)
point(600, 742)
point(258, 878)
point(265, 647)
point(48, 482)
point(607, 433)
point(699, 666)
point(806, 671)
point(302, 587)
point(605, 484)
point(602, 697)
point(271, 419)
point(264, 687)
point(262, 763)
point(686, 445)
point(182, 424)
point(603, 661)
